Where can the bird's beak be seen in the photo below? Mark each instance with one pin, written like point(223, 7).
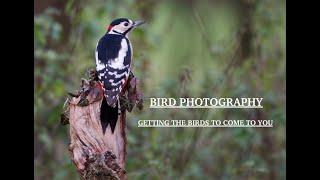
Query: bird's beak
point(138, 23)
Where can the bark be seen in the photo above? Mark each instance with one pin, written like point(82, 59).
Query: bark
point(97, 155)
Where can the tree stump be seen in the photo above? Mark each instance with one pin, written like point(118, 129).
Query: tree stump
point(98, 155)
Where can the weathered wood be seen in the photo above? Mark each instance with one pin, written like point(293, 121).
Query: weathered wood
point(97, 155)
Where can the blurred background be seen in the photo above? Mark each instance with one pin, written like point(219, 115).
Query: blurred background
point(230, 48)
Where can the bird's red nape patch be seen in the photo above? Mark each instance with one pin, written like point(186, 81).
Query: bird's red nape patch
point(110, 27)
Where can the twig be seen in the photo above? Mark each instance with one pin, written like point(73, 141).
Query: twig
point(208, 43)
point(186, 156)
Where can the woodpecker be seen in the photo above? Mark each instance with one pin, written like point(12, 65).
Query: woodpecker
point(113, 57)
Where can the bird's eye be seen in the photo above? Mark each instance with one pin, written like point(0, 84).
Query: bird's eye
point(126, 24)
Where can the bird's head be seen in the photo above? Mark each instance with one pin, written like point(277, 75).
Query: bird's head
point(123, 26)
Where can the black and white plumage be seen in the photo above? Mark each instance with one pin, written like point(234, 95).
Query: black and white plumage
point(113, 61)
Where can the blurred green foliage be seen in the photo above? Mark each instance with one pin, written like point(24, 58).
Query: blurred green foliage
point(232, 48)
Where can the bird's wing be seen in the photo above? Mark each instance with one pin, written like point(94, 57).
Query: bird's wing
point(113, 66)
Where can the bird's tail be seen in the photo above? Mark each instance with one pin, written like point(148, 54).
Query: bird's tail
point(108, 115)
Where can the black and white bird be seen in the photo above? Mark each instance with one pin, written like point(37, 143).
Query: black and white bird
point(113, 56)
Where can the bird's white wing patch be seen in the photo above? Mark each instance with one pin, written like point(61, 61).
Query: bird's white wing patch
point(118, 63)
